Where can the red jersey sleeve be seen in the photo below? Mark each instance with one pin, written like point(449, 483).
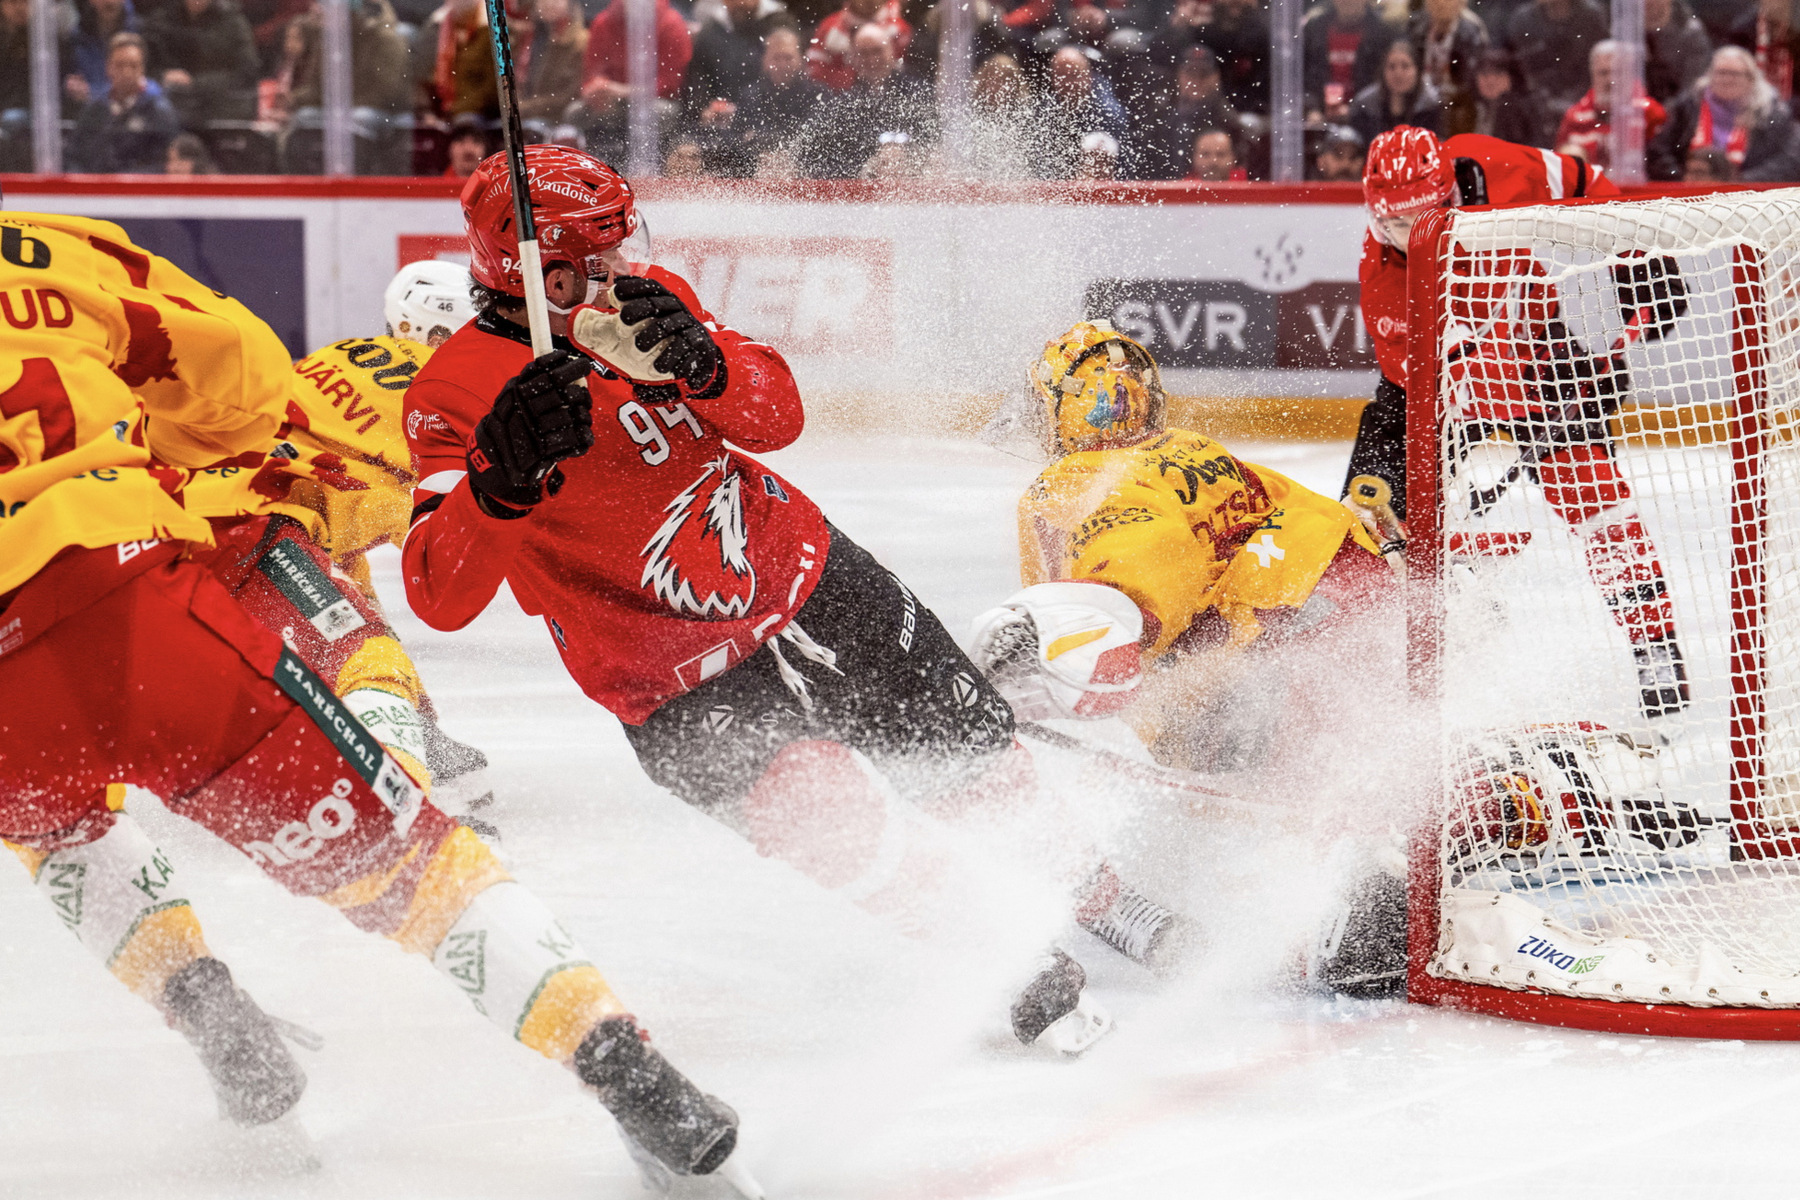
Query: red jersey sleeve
point(1383, 277)
point(760, 408)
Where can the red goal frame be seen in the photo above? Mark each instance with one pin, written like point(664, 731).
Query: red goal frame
point(1747, 424)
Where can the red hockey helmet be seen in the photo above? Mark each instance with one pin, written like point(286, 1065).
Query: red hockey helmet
point(1405, 174)
point(583, 207)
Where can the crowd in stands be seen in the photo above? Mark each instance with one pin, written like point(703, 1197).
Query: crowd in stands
point(1060, 89)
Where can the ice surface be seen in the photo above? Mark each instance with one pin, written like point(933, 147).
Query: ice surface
point(866, 1067)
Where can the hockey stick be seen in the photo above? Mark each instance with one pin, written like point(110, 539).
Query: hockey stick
point(1203, 797)
point(537, 308)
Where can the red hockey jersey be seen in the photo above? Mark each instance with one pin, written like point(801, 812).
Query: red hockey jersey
point(1514, 174)
point(666, 557)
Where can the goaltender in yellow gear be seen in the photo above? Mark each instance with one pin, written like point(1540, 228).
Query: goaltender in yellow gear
point(1211, 549)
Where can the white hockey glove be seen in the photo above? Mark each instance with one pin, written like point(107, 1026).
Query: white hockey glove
point(598, 332)
point(1062, 650)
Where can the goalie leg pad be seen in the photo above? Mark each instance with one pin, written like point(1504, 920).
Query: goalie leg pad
point(522, 970)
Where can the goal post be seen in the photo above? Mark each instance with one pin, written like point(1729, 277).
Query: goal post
point(1603, 501)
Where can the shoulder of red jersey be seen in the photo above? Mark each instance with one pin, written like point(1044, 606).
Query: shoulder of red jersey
point(457, 387)
point(1527, 174)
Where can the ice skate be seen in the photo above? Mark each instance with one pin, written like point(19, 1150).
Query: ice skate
point(675, 1131)
point(459, 781)
point(253, 1073)
point(1052, 1011)
point(1150, 935)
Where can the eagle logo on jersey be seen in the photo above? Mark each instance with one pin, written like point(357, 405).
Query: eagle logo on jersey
point(700, 568)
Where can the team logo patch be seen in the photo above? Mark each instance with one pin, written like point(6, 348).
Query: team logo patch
point(964, 689)
point(700, 568)
point(702, 667)
point(719, 718)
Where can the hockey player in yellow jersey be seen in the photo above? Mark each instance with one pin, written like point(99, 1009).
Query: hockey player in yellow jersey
point(334, 483)
point(141, 669)
point(1201, 554)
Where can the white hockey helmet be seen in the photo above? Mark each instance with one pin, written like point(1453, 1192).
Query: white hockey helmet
point(428, 301)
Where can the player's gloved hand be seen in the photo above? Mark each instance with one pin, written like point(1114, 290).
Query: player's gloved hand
point(1651, 292)
point(543, 415)
point(657, 315)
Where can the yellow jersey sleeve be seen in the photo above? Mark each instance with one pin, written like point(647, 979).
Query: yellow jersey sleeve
point(340, 465)
point(1181, 526)
point(118, 372)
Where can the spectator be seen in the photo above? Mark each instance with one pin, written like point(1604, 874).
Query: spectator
point(95, 23)
point(1587, 127)
point(831, 59)
point(1099, 157)
point(1675, 48)
point(1215, 159)
point(605, 74)
point(469, 145)
point(1343, 43)
point(558, 59)
point(188, 155)
point(1731, 109)
point(129, 128)
point(885, 106)
point(778, 105)
point(1503, 108)
point(1340, 156)
point(1168, 131)
point(686, 160)
point(1402, 97)
point(1550, 39)
point(728, 56)
point(1239, 34)
point(1080, 102)
point(1709, 166)
point(1769, 31)
point(455, 42)
point(378, 75)
point(1000, 120)
point(15, 56)
point(1449, 39)
point(268, 20)
point(202, 53)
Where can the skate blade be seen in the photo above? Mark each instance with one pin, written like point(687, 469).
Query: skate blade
point(1074, 1032)
point(300, 1035)
point(732, 1179)
point(279, 1149)
point(738, 1176)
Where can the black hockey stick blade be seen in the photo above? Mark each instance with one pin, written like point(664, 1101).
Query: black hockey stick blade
point(537, 310)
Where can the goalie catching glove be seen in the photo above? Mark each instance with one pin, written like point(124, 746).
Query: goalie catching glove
point(646, 334)
point(543, 415)
point(1062, 650)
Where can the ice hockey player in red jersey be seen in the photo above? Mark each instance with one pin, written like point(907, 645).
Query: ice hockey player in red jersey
point(766, 668)
point(127, 662)
point(1516, 372)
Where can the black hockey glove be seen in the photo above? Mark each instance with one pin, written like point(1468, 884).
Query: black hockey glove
point(1652, 292)
point(543, 415)
point(657, 314)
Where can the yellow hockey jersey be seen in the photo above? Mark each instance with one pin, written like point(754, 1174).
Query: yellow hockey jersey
point(1181, 526)
point(118, 373)
point(340, 465)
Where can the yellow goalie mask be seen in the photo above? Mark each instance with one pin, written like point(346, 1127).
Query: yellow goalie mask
point(1099, 389)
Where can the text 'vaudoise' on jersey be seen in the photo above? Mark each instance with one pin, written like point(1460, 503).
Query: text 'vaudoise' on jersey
point(667, 555)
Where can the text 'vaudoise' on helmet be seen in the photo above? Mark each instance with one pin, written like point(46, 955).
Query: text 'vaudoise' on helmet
point(1406, 174)
point(427, 301)
point(1099, 389)
point(583, 207)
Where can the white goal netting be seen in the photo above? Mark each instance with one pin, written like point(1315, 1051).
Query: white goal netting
point(1619, 496)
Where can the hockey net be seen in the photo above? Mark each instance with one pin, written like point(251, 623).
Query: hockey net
point(1604, 501)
